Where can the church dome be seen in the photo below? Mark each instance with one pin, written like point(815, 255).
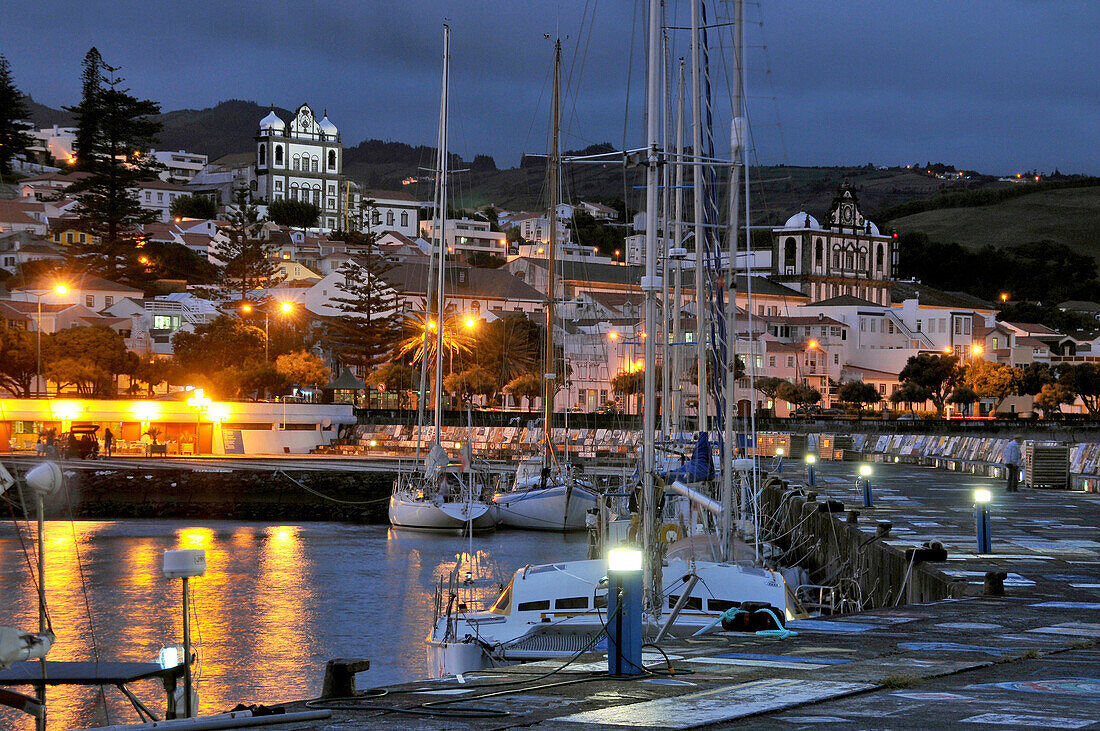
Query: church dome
point(272, 122)
point(873, 229)
point(802, 220)
point(328, 127)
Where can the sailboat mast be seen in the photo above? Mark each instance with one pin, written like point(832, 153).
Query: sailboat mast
point(736, 143)
point(438, 222)
point(651, 283)
point(550, 375)
point(678, 239)
point(441, 220)
point(666, 244)
point(700, 229)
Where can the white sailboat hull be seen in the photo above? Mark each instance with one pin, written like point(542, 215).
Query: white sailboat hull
point(407, 512)
point(544, 509)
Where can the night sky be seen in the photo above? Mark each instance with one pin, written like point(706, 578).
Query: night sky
point(1000, 86)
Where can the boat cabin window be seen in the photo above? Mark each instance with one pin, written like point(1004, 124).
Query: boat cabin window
point(503, 604)
point(573, 602)
point(721, 605)
point(534, 606)
point(694, 602)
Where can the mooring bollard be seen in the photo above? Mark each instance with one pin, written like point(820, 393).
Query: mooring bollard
point(810, 459)
point(340, 677)
point(981, 520)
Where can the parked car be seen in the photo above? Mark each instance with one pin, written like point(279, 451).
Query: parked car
point(908, 417)
point(80, 442)
point(606, 409)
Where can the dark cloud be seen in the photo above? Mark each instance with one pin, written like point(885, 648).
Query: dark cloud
point(998, 85)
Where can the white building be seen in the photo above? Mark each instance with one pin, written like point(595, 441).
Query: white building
point(390, 211)
point(180, 166)
point(467, 235)
point(301, 162)
point(56, 141)
point(157, 195)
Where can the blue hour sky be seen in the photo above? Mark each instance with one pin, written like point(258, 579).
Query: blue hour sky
point(995, 85)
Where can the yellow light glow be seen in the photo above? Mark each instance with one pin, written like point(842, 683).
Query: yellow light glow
point(639, 364)
point(196, 537)
point(812, 344)
point(981, 495)
point(143, 259)
point(431, 324)
point(246, 308)
point(779, 451)
point(286, 306)
point(947, 351)
point(145, 410)
point(613, 335)
point(218, 413)
point(810, 459)
point(470, 322)
point(865, 470)
point(976, 349)
point(61, 289)
point(1004, 296)
point(66, 410)
point(282, 535)
point(504, 242)
point(373, 443)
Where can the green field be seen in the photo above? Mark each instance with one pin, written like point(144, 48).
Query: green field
point(1070, 216)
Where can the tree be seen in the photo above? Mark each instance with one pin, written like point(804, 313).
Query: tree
point(247, 257)
point(1033, 377)
point(293, 213)
point(910, 393)
point(88, 111)
point(368, 329)
point(509, 347)
point(85, 357)
point(457, 339)
point(1083, 380)
point(303, 368)
point(525, 386)
point(937, 373)
point(18, 360)
point(798, 394)
point(469, 383)
point(14, 112)
point(996, 381)
point(220, 354)
point(858, 393)
point(963, 396)
point(152, 372)
point(1051, 397)
point(628, 383)
point(485, 260)
point(114, 153)
point(194, 206)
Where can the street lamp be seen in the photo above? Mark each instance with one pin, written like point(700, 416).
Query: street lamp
point(810, 459)
point(200, 402)
point(58, 289)
point(864, 481)
point(286, 308)
point(982, 497)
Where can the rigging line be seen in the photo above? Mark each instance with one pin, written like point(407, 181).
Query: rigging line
point(80, 570)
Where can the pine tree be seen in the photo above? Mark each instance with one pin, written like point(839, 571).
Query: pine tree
point(121, 131)
point(14, 139)
point(245, 254)
point(367, 331)
point(87, 112)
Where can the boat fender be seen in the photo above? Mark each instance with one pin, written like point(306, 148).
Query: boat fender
point(670, 533)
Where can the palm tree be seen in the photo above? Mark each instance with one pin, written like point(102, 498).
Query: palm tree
point(457, 338)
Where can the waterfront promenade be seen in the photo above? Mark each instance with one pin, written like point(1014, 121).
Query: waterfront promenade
point(1024, 659)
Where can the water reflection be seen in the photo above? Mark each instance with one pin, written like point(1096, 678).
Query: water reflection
point(277, 601)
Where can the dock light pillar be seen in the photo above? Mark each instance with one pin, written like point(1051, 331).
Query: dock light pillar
point(183, 564)
point(810, 459)
point(779, 460)
point(981, 520)
point(864, 481)
point(624, 612)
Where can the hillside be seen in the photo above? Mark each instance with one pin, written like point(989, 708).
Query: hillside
point(1069, 216)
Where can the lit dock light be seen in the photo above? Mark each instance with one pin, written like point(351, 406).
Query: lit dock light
point(624, 559)
point(864, 483)
point(865, 470)
point(779, 451)
point(810, 477)
point(981, 520)
point(982, 495)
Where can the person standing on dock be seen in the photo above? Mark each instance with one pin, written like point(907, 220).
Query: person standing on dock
point(108, 442)
point(1014, 461)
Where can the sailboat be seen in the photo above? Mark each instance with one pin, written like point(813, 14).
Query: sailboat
point(551, 496)
point(441, 496)
point(556, 610)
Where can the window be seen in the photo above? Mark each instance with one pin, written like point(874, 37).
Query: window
point(761, 310)
point(160, 197)
point(404, 218)
point(89, 300)
point(759, 361)
point(836, 358)
point(994, 343)
point(918, 325)
point(882, 388)
point(148, 196)
point(331, 203)
point(296, 162)
point(263, 155)
point(771, 361)
point(332, 159)
point(872, 324)
point(278, 185)
point(819, 256)
point(534, 606)
point(958, 326)
point(108, 300)
point(389, 218)
point(790, 361)
point(69, 237)
point(331, 222)
point(279, 155)
point(878, 258)
point(314, 163)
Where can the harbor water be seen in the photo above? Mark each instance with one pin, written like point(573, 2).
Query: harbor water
point(276, 603)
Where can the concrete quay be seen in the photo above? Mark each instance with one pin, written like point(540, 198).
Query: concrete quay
point(1027, 658)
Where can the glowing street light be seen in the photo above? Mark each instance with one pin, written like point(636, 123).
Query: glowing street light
point(471, 323)
point(57, 289)
point(1004, 296)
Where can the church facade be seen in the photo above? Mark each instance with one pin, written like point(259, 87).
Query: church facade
point(302, 161)
point(844, 254)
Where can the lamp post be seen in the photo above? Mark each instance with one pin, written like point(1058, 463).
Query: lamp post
point(810, 459)
point(58, 289)
point(286, 308)
point(864, 482)
point(200, 403)
point(624, 612)
point(779, 451)
point(981, 520)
